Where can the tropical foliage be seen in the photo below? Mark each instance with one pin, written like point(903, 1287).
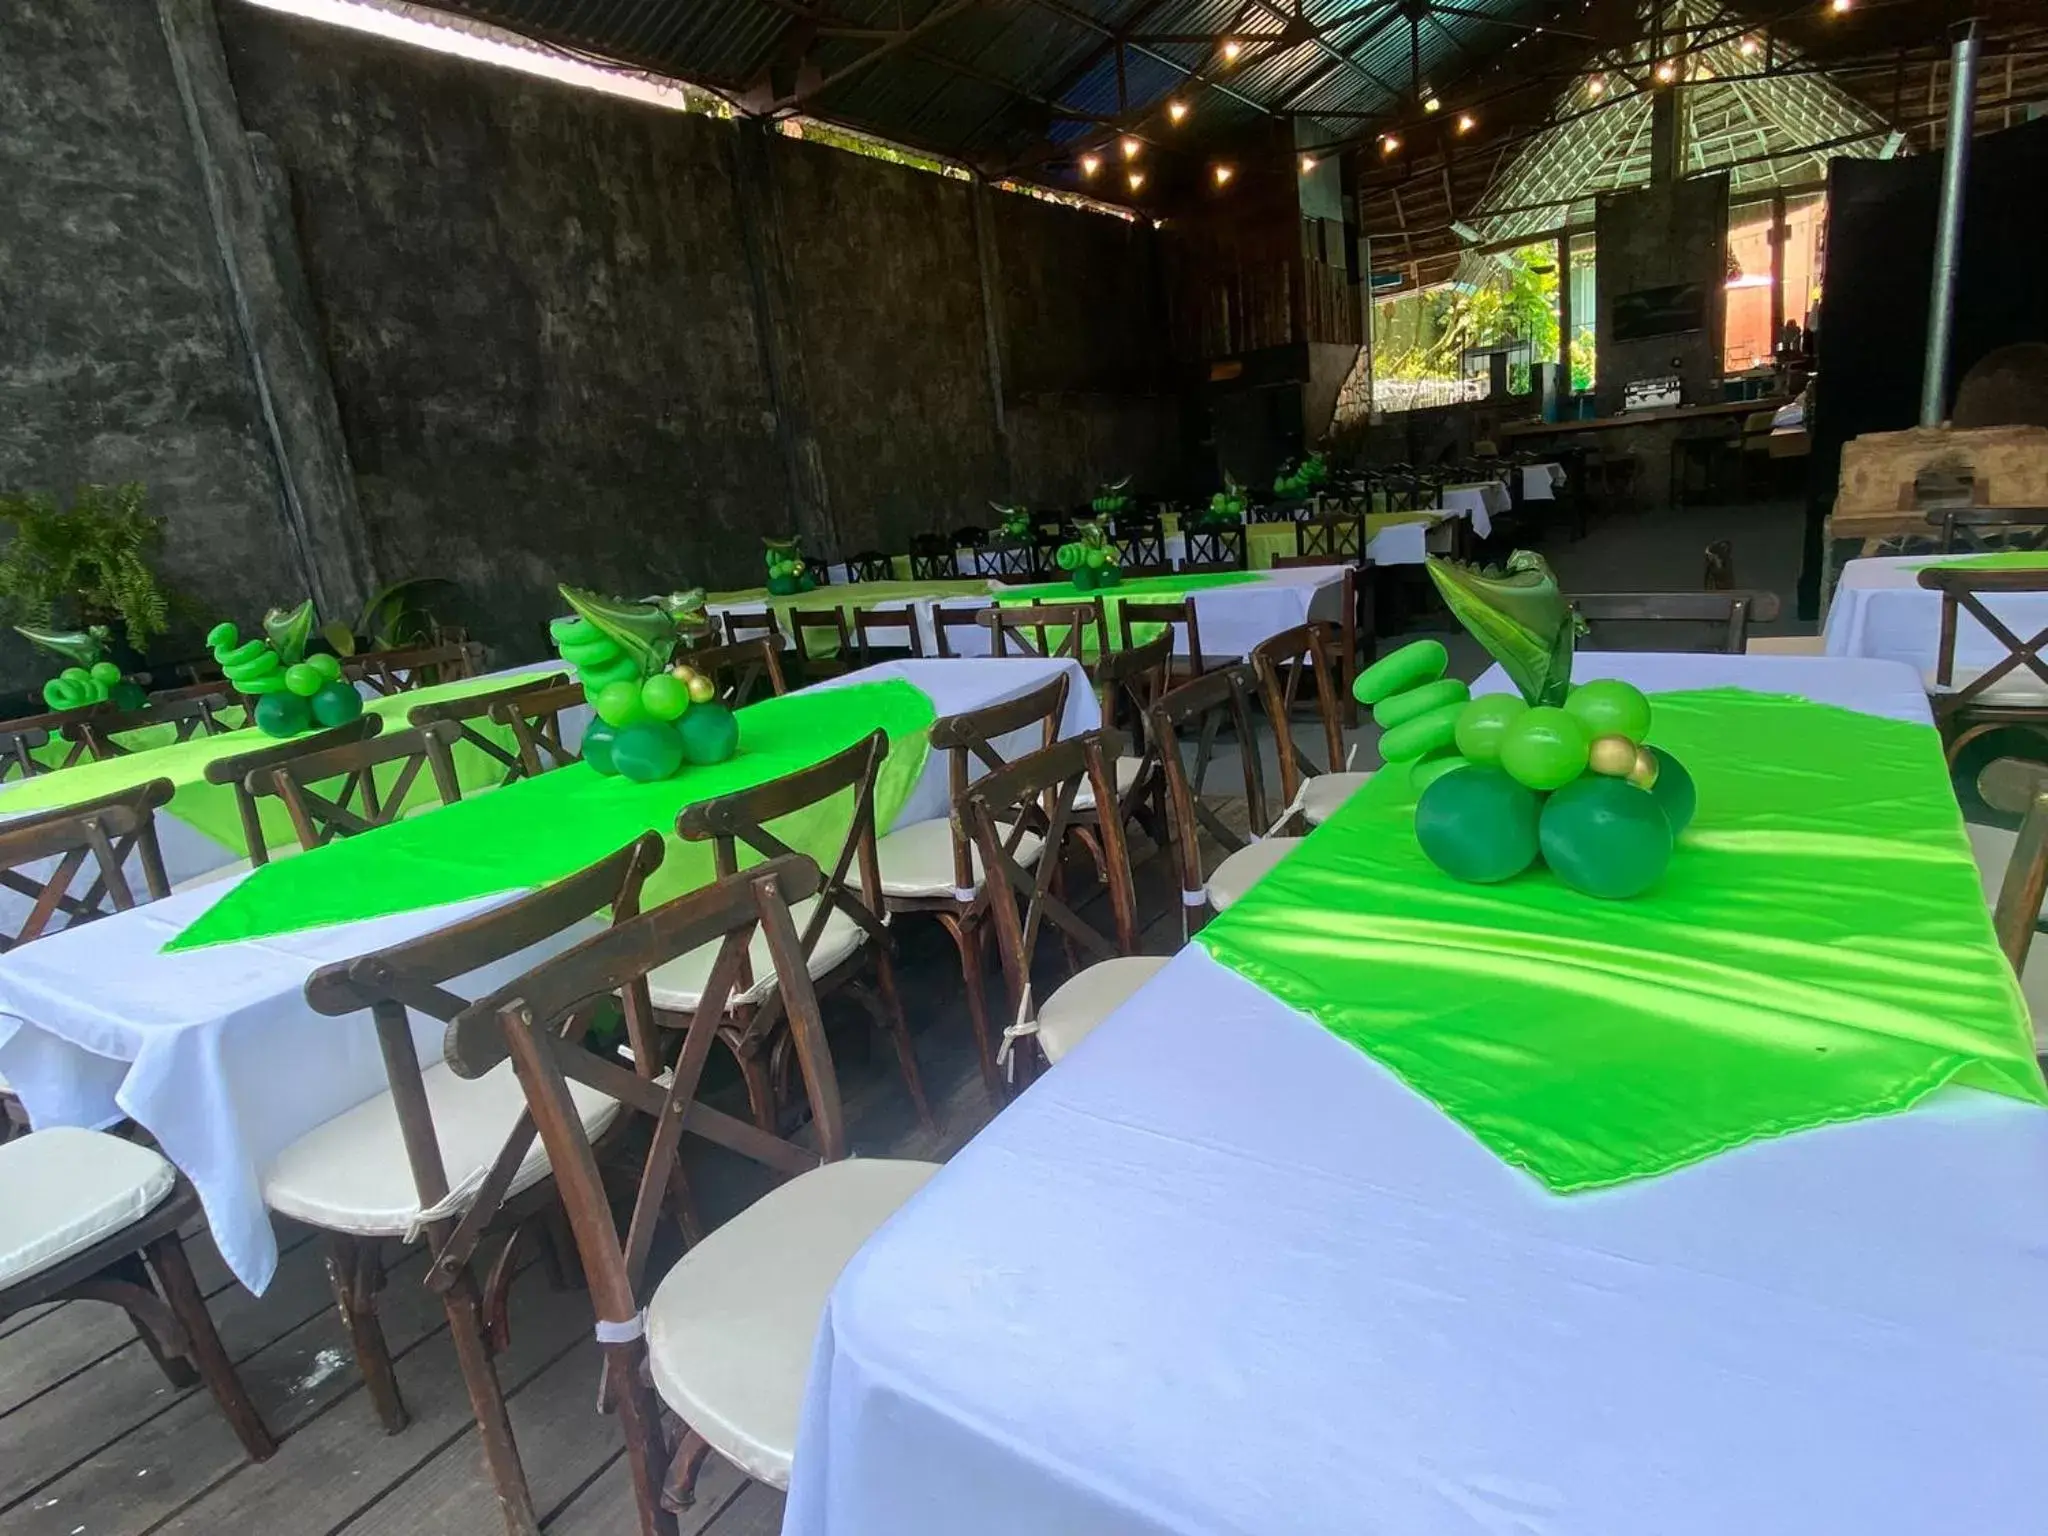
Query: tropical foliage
point(93, 562)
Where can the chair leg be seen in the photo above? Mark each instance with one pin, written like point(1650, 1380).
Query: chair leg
point(181, 1291)
point(679, 1487)
point(967, 935)
point(890, 1017)
point(487, 1401)
point(356, 1271)
point(753, 1065)
point(646, 1447)
point(169, 1353)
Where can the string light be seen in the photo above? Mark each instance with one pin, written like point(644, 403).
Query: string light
point(1090, 164)
point(1596, 85)
point(1431, 104)
point(1231, 49)
point(1389, 143)
point(1308, 163)
point(1838, 6)
point(1136, 179)
point(1130, 147)
point(1223, 173)
point(1176, 110)
point(1749, 48)
point(1667, 72)
point(1467, 122)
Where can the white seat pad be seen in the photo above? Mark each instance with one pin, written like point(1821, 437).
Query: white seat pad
point(1246, 868)
point(730, 1329)
point(351, 1174)
point(2022, 685)
point(1127, 770)
point(1065, 1018)
point(679, 984)
point(1321, 795)
point(1786, 645)
point(63, 1190)
point(917, 860)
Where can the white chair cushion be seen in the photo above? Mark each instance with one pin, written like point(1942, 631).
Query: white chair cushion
point(1065, 1018)
point(285, 850)
point(917, 860)
point(67, 1189)
point(1127, 770)
point(679, 984)
point(1321, 795)
point(1246, 868)
point(351, 1174)
point(731, 1327)
point(1786, 645)
point(2022, 685)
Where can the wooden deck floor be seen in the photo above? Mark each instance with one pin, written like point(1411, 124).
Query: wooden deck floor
point(93, 1442)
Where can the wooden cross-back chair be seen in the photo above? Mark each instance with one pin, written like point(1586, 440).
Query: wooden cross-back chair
point(1189, 722)
point(743, 671)
point(1990, 528)
point(1716, 621)
point(535, 720)
point(880, 634)
point(91, 841)
point(1049, 630)
point(1297, 666)
point(1212, 548)
point(247, 773)
point(1140, 543)
point(933, 557)
point(451, 1157)
point(2012, 691)
point(842, 928)
point(502, 706)
point(189, 717)
point(1183, 628)
point(1010, 560)
point(1034, 798)
point(743, 626)
point(32, 733)
point(868, 565)
point(1128, 683)
point(830, 625)
point(1333, 539)
point(714, 1346)
point(2016, 913)
point(320, 813)
point(948, 619)
point(424, 666)
point(932, 866)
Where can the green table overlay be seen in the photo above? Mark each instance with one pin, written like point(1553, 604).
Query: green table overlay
point(1996, 560)
point(538, 830)
point(1153, 589)
point(210, 808)
point(1818, 951)
point(846, 596)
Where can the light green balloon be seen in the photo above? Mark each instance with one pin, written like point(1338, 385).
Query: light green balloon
point(1545, 748)
point(1485, 721)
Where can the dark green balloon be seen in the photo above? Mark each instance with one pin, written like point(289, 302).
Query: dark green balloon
point(1673, 791)
point(597, 747)
point(336, 703)
point(710, 734)
point(1604, 837)
point(282, 714)
point(127, 695)
point(647, 750)
point(1478, 824)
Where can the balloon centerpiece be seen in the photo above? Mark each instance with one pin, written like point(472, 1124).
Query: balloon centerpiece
point(1304, 479)
point(1554, 772)
point(1227, 505)
point(1014, 523)
point(787, 572)
point(90, 678)
point(1089, 561)
point(653, 715)
point(1112, 499)
point(293, 692)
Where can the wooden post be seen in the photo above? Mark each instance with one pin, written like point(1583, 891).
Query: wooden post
point(1563, 392)
point(1777, 238)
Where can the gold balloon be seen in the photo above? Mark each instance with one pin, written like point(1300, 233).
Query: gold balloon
point(1614, 756)
point(1643, 773)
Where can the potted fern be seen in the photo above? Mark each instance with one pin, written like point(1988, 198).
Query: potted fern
point(91, 564)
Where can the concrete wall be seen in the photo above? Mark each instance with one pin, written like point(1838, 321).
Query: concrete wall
point(1655, 237)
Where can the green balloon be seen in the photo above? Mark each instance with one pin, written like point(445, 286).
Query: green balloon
point(282, 714)
point(106, 672)
point(779, 586)
point(1545, 748)
point(663, 696)
point(336, 703)
point(1609, 707)
point(1083, 578)
point(1604, 837)
point(128, 696)
point(1426, 771)
point(1411, 703)
point(1478, 825)
point(303, 680)
point(597, 747)
point(326, 664)
point(1485, 721)
point(619, 704)
point(1673, 791)
point(1416, 663)
point(647, 750)
point(1108, 576)
point(710, 734)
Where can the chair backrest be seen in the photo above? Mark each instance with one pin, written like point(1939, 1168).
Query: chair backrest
point(973, 743)
point(197, 716)
point(2016, 915)
point(743, 625)
point(31, 733)
point(741, 819)
point(1128, 683)
point(412, 976)
point(934, 557)
point(1986, 528)
point(94, 838)
point(528, 1019)
point(319, 813)
point(947, 619)
point(1283, 663)
point(1139, 543)
point(1719, 620)
point(534, 717)
point(389, 672)
point(1035, 796)
point(1196, 714)
point(868, 565)
point(886, 630)
point(1964, 589)
point(1045, 629)
point(1010, 560)
point(19, 742)
point(461, 713)
point(247, 768)
point(830, 622)
point(1183, 627)
point(1219, 547)
point(743, 670)
point(1334, 539)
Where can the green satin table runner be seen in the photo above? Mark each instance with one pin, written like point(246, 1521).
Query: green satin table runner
point(845, 596)
point(1994, 560)
point(537, 830)
point(1154, 589)
point(1818, 951)
point(210, 808)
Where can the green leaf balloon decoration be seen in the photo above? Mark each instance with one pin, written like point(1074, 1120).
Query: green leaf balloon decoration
point(80, 647)
point(288, 630)
point(645, 632)
point(1518, 613)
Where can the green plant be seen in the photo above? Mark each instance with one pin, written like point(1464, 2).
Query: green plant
point(396, 619)
point(93, 562)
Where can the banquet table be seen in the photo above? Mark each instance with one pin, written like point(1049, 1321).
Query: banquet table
point(1542, 482)
point(1220, 1271)
point(880, 596)
point(1479, 503)
point(214, 1050)
point(1880, 609)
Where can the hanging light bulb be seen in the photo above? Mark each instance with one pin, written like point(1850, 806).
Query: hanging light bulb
point(1136, 180)
point(1308, 163)
point(1749, 48)
point(1596, 85)
point(1431, 104)
point(1090, 164)
point(1838, 6)
point(1467, 122)
point(1389, 143)
point(1130, 147)
point(1177, 110)
point(1666, 72)
point(1231, 49)
point(1223, 173)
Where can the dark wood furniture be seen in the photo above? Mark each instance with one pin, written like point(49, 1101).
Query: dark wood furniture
point(1183, 627)
point(1187, 723)
point(1212, 547)
point(534, 717)
point(188, 717)
point(868, 565)
point(426, 666)
point(830, 627)
point(884, 634)
point(1045, 629)
point(500, 706)
point(245, 771)
point(946, 619)
point(1990, 528)
point(91, 841)
point(31, 733)
point(1357, 625)
point(2012, 692)
point(1283, 663)
point(320, 812)
point(1720, 620)
point(1139, 544)
point(1335, 539)
point(742, 671)
point(933, 557)
point(745, 625)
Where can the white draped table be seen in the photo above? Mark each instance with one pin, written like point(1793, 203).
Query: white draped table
point(1221, 1272)
point(1880, 609)
point(215, 1052)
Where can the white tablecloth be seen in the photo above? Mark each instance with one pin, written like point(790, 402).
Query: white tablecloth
point(1221, 1272)
point(1542, 482)
point(1880, 609)
point(215, 1052)
point(1481, 503)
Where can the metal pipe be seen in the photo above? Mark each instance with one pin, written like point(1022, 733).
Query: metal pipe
point(1948, 227)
